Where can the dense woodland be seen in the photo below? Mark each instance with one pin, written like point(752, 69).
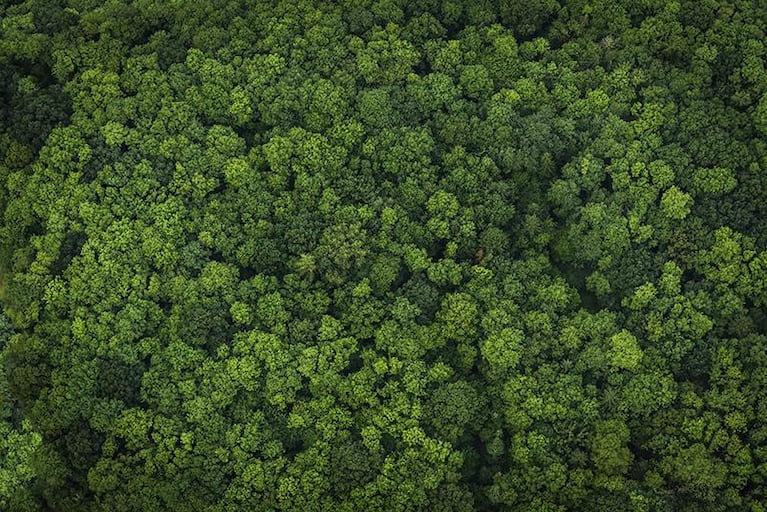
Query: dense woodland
point(383, 255)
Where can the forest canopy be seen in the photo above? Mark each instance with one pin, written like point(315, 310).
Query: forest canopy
point(383, 255)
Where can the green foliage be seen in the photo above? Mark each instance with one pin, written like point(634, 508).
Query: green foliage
point(381, 255)
point(675, 204)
